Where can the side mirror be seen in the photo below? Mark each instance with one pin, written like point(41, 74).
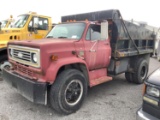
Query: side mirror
point(104, 30)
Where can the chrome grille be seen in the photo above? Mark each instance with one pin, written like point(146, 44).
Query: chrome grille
point(24, 55)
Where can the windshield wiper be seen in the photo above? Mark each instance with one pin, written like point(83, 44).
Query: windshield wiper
point(49, 37)
point(62, 37)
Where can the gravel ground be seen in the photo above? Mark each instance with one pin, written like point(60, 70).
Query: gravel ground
point(114, 100)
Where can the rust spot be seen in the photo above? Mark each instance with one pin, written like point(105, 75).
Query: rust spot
point(100, 80)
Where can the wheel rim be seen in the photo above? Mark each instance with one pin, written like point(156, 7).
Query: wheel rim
point(73, 92)
point(0, 65)
point(143, 72)
point(5, 65)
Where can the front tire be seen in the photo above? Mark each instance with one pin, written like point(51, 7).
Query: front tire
point(3, 58)
point(4, 63)
point(68, 91)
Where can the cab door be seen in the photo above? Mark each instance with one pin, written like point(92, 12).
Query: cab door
point(97, 51)
point(38, 28)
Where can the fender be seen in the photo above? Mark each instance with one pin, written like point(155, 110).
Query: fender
point(54, 67)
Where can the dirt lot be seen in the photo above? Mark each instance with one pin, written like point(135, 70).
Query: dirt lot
point(115, 100)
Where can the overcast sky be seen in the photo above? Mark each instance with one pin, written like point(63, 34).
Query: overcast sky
point(138, 10)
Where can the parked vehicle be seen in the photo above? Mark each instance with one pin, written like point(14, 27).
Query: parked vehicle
point(77, 55)
point(150, 109)
point(30, 26)
point(6, 23)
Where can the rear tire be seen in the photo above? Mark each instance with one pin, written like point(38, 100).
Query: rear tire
point(68, 91)
point(129, 76)
point(141, 71)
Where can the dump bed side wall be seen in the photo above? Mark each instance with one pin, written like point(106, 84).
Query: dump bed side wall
point(129, 39)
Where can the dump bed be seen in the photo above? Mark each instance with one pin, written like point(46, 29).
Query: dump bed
point(127, 38)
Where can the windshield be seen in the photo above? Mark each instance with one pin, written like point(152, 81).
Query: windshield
point(20, 21)
point(4, 22)
point(68, 31)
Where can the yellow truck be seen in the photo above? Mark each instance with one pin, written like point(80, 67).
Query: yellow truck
point(30, 26)
point(7, 22)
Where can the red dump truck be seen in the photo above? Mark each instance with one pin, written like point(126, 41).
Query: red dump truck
point(84, 51)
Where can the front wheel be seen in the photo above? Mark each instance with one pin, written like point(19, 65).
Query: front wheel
point(68, 91)
point(4, 62)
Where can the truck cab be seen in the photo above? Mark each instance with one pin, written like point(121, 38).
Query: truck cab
point(30, 26)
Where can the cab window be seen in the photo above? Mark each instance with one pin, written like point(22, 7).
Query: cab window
point(42, 24)
point(93, 33)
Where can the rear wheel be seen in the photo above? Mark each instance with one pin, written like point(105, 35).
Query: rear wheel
point(129, 76)
point(68, 91)
point(141, 71)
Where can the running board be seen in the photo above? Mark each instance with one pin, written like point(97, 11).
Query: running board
point(98, 76)
point(100, 80)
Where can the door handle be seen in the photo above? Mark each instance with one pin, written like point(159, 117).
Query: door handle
point(92, 50)
point(106, 43)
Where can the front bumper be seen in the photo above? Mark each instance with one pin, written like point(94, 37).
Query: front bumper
point(32, 90)
point(141, 115)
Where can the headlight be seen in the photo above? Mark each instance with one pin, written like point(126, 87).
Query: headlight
point(152, 91)
point(34, 57)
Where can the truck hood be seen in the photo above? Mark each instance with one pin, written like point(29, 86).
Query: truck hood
point(47, 42)
point(154, 78)
point(60, 47)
